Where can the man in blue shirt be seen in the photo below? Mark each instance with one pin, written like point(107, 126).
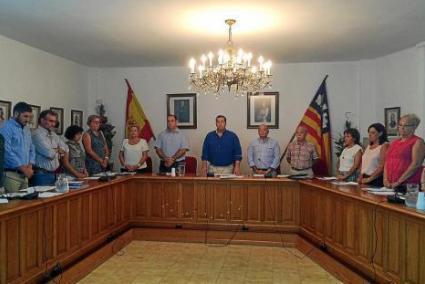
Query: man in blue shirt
point(171, 146)
point(221, 152)
point(19, 154)
point(264, 153)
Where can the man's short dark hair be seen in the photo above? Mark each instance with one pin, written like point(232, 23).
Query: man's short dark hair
point(172, 115)
point(45, 113)
point(221, 116)
point(73, 130)
point(22, 107)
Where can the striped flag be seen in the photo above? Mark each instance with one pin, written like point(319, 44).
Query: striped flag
point(134, 115)
point(317, 122)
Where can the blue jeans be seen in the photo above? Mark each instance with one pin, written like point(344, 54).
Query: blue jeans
point(40, 178)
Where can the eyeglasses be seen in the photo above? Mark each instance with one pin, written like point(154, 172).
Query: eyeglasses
point(405, 125)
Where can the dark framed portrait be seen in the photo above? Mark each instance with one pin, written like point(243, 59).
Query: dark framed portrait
point(183, 106)
point(263, 108)
point(77, 117)
point(5, 110)
point(392, 116)
point(33, 123)
point(59, 125)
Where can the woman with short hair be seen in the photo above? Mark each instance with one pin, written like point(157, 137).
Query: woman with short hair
point(134, 152)
point(74, 161)
point(405, 155)
point(97, 158)
point(351, 157)
point(373, 159)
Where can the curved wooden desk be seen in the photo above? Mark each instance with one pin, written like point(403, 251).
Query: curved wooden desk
point(352, 225)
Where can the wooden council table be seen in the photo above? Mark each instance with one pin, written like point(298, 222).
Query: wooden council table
point(349, 224)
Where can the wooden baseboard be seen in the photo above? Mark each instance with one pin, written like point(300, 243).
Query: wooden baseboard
point(88, 264)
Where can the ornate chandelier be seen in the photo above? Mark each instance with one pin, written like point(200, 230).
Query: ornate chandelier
point(233, 70)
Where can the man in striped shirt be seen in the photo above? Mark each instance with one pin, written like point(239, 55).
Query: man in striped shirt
point(301, 154)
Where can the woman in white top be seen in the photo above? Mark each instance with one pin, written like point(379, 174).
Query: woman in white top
point(351, 157)
point(373, 159)
point(134, 152)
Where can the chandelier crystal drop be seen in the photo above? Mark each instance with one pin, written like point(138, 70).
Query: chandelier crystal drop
point(229, 70)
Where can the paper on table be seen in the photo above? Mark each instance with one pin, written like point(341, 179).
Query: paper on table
point(3, 201)
point(49, 194)
point(382, 192)
point(92, 178)
point(38, 188)
point(258, 175)
point(229, 176)
point(345, 183)
point(379, 189)
point(327, 178)
point(282, 176)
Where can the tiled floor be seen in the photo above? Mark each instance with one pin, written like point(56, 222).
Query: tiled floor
point(161, 262)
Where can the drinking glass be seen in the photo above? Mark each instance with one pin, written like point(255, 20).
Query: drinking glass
point(181, 169)
point(411, 196)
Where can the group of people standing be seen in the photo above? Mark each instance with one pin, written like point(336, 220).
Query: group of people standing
point(382, 163)
point(37, 157)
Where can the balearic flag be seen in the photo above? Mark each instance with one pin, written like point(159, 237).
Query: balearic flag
point(134, 115)
point(317, 122)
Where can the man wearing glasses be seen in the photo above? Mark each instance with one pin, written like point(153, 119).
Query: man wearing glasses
point(49, 149)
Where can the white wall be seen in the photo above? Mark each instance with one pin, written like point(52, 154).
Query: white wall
point(296, 83)
point(39, 78)
point(395, 80)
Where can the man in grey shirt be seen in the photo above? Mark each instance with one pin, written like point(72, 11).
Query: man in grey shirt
point(171, 146)
point(49, 149)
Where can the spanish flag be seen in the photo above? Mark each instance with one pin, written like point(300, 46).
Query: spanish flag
point(317, 122)
point(134, 115)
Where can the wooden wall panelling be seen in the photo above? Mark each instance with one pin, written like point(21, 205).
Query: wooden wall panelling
point(95, 199)
point(203, 210)
point(156, 209)
point(220, 202)
point(187, 198)
point(3, 255)
point(118, 203)
point(290, 204)
point(349, 228)
point(13, 248)
point(61, 228)
point(140, 197)
point(254, 203)
point(237, 194)
point(394, 247)
point(75, 223)
point(364, 233)
point(414, 264)
point(85, 217)
point(111, 211)
point(273, 199)
point(171, 199)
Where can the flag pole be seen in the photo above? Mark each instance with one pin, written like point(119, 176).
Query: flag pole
point(293, 135)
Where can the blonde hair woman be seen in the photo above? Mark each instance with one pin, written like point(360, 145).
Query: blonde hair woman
point(134, 152)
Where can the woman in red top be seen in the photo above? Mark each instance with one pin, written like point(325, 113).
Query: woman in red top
point(405, 155)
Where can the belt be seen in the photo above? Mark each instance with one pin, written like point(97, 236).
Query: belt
point(295, 169)
point(37, 169)
point(14, 171)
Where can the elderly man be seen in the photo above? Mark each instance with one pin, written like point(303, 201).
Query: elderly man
point(171, 146)
point(264, 153)
point(19, 152)
point(49, 149)
point(301, 155)
point(221, 151)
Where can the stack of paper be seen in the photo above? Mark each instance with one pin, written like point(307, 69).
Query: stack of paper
point(49, 194)
point(345, 183)
point(380, 191)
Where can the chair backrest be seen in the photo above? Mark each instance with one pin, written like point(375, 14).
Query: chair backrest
point(191, 165)
point(149, 165)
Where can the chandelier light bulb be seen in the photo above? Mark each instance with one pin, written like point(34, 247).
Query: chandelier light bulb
point(210, 58)
point(192, 63)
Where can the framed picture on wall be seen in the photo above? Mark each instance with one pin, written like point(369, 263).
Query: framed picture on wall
point(59, 126)
point(77, 117)
point(392, 116)
point(263, 108)
point(35, 114)
point(183, 106)
point(5, 110)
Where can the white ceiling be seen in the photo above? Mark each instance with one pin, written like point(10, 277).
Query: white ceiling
point(167, 33)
